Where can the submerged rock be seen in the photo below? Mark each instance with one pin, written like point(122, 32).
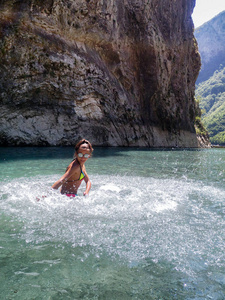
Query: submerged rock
point(120, 73)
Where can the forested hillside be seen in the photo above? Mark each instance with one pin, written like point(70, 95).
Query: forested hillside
point(211, 94)
point(210, 88)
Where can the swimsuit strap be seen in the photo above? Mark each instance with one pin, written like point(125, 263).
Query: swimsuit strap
point(82, 175)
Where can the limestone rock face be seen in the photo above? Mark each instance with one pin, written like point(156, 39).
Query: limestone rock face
point(117, 72)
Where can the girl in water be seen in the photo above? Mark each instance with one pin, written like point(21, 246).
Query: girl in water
point(76, 171)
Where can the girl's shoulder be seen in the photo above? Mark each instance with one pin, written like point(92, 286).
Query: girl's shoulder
point(73, 165)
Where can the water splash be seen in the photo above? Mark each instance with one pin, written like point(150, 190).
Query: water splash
point(132, 216)
point(140, 223)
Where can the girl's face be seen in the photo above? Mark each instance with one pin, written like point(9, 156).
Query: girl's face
point(83, 153)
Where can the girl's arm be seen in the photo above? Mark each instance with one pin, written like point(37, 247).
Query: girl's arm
point(58, 183)
point(88, 184)
point(64, 178)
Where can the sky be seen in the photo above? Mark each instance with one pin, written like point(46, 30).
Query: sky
point(205, 10)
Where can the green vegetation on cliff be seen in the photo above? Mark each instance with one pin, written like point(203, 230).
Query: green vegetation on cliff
point(199, 126)
point(210, 85)
point(212, 102)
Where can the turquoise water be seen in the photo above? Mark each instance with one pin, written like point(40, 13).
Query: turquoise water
point(153, 226)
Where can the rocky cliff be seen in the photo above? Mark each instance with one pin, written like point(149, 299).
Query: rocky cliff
point(117, 72)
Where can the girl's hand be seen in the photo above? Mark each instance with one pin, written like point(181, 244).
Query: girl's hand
point(38, 199)
point(85, 193)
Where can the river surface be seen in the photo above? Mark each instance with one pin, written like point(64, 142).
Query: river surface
point(153, 226)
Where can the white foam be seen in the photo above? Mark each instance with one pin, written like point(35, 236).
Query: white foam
point(134, 216)
point(110, 187)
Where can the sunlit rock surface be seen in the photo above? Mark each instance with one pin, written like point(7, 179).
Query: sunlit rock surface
point(120, 73)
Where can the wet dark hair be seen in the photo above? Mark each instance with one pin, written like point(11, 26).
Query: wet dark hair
point(81, 142)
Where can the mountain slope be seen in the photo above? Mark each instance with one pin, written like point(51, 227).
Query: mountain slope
point(211, 42)
point(210, 88)
point(212, 102)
